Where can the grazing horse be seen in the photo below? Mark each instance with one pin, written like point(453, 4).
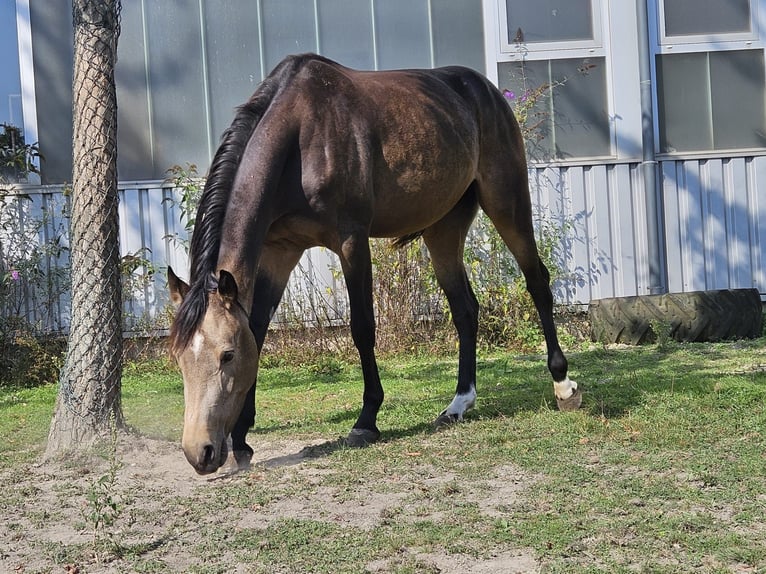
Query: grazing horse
point(325, 155)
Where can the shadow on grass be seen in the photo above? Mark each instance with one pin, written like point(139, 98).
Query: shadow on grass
point(614, 382)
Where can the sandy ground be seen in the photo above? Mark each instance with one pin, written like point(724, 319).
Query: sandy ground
point(45, 525)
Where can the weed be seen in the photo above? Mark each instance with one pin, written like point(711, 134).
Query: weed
point(104, 506)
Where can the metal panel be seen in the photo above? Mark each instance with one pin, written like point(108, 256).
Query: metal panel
point(756, 207)
point(715, 231)
point(739, 270)
point(402, 36)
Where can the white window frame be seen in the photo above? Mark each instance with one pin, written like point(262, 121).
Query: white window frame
point(660, 44)
point(496, 52)
point(27, 77)
point(705, 39)
point(517, 52)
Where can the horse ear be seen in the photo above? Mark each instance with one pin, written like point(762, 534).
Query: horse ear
point(178, 289)
point(227, 288)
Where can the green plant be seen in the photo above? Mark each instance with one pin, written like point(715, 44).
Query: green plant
point(190, 185)
point(104, 506)
point(33, 277)
point(17, 158)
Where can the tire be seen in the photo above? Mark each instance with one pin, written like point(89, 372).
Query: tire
point(694, 316)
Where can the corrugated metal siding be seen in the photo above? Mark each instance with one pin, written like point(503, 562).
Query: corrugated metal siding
point(601, 212)
point(714, 221)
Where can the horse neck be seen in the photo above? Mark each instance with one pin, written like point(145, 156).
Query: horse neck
point(251, 211)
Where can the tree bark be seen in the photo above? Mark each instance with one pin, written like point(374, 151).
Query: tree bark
point(88, 404)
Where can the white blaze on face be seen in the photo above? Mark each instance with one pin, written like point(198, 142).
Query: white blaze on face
point(461, 403)
point(196, 344)
point(564, 389)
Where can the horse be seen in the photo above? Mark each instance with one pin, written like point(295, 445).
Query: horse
point(324, 155)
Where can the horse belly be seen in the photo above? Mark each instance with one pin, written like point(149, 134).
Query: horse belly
point(400, 211)
point(410, 196)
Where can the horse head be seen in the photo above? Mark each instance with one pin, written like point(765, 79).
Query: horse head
point(218, 357)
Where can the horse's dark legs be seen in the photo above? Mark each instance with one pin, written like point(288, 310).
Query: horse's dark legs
point(357, 271)
point(445, 241)
point(274, 271)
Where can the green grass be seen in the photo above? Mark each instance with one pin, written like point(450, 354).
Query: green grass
point(662, 470)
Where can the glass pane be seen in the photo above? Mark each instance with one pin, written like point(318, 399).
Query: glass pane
point(549, 20)
point(561, 106)
point(233, 58)
point(179, 113)
point(581, 114)
point(52, 38)
point(134, 134)
point(525, 85)
point(345, 32)
point(737, 83)
point(684, 102)
point(10, 83)
point(694, 17)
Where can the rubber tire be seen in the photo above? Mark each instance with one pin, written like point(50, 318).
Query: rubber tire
point(695, 316)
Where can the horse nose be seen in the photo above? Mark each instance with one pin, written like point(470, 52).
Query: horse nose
point(208, 455)
point(203, 459)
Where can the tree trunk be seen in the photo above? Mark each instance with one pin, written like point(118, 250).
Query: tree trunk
point(88, 404)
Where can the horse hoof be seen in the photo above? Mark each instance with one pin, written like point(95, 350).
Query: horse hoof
point(359, 438)
point(572, 403)
point(445, 420)
point(236, 461)
point(243, 458)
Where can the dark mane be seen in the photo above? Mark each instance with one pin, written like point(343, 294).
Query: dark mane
point(206, 238)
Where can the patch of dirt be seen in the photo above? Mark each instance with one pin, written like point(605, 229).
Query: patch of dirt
point(49, 511)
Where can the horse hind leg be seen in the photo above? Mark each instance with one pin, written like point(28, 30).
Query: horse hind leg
point(445, 241)
point(512, 217)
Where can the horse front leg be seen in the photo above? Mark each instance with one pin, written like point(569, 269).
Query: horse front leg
point(357, 271)
point(270, 282)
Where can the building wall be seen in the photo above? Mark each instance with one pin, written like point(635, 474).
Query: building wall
point(714, 232)
point(183, 66)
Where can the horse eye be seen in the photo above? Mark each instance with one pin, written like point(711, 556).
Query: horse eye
point(227, 357)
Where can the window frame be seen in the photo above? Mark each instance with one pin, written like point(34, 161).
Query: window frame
point(664, 40)
point(516, 52)
point(27, 80)
point(663, 45)
point(497, 52)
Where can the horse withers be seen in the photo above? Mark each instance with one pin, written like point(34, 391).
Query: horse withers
point(323, 155)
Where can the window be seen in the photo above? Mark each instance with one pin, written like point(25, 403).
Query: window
point(10, 82)
point(711, 85)
point(690, 20)
point(711, 101)
point(545, 24)
point(552, 64)
point(561, 104)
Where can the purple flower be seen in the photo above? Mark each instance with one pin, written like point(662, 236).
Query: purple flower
point(14, 275)
point(509, 94)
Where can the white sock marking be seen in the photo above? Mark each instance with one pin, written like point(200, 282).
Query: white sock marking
point(564, 389)
point(461, 403)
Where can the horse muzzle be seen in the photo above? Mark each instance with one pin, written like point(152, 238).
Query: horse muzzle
point(206, 456)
